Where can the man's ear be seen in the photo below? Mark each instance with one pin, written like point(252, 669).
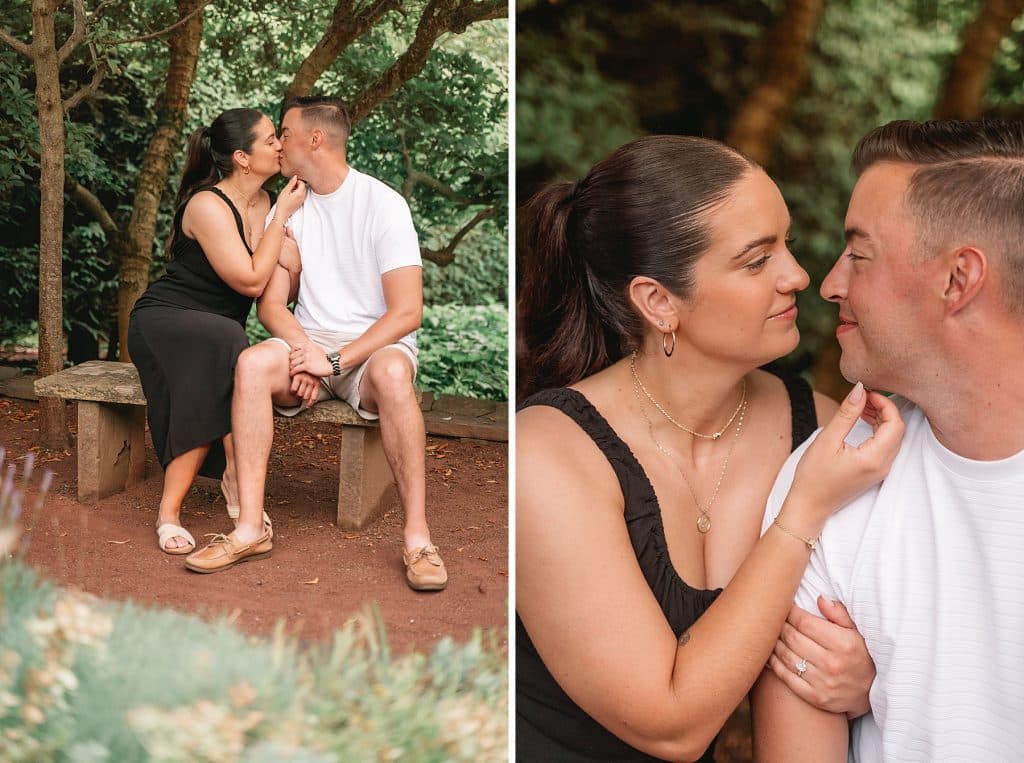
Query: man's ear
point(654, 303)
point(966, 274)
point(316, 138)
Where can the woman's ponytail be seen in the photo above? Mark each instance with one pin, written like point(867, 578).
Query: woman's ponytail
point(562, 334)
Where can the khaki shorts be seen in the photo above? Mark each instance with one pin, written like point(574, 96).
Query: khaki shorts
point(346, 386)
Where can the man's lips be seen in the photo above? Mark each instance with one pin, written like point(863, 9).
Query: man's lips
point(787, 314)
point(845, 325)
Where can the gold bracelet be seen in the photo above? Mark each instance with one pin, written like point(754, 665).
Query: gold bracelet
point(809, 542)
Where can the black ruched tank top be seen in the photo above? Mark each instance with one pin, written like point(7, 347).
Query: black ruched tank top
point(549, 725)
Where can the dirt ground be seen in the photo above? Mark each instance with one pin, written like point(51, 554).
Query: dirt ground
point(318, 575)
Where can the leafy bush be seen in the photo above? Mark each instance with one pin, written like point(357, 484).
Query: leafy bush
point(463, 349)
point(85, 679)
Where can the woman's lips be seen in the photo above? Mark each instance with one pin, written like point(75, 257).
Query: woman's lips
point(786, 315)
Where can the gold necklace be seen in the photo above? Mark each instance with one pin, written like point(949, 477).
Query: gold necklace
point(667, 415)
point(704, 518)
point(250, 202)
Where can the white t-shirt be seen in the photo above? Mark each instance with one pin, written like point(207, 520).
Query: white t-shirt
point(930, 565)
point(348, 239)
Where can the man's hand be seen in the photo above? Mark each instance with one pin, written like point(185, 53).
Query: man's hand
point(309, 358)
point(306, 387)
point(839, 669)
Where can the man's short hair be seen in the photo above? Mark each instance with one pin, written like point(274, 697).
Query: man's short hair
point(968, 189)
point(324, 112)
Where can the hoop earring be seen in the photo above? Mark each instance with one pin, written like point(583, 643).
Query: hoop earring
point(665, 348)
point(245, 169)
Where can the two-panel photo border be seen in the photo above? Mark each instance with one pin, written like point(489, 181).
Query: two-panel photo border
point(465, 380)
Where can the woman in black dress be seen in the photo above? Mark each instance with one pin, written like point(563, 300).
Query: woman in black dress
point(652, 292)
point(187, 330)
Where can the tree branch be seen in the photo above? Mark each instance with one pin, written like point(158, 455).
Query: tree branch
point(16, 44)
point(438, 17)
point(87, 199)
point(470, 13)
point(345, 27)
point(162, 32)
point(100, 10)
point(86, 90)
point(446, 255)
point(77, 34)
point(414, 176)
point(92, 204)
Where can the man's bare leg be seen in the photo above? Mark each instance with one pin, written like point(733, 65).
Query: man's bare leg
point(261, 378)
point(387, 388)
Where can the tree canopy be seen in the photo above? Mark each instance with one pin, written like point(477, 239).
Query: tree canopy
point(792, 83)
point(99, 96)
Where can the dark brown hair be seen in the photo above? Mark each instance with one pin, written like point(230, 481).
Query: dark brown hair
point(969, 188)
point(210, 150)
point(643, 211)
point(323, 111)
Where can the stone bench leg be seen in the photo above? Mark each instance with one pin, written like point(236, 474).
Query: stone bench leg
point(365, 482)
point(111, 448)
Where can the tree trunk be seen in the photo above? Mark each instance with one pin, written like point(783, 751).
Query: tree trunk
point(756, 126)
point(136, 246)
point(963, 94)
point(53, 429)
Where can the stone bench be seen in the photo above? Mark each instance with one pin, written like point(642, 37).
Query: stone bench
point(112, 446)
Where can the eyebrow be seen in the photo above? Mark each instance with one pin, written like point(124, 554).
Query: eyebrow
point(763, 241)
point(854, 232)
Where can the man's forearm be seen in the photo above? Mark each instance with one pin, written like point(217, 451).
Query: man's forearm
point(281, 322)
point(387, 329)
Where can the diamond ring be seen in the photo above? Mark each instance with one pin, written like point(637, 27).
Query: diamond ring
point(801, 668)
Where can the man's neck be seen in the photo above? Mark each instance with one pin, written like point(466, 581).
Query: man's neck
point(328, 177)
point(976, 406)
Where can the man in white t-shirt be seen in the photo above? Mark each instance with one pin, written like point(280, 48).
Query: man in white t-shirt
point(930, 291)
point(353, 332)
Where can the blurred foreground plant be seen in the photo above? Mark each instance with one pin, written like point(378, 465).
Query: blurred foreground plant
point(83, 679)
point(13, 501)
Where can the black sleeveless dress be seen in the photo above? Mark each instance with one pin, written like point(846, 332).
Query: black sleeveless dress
point(549, 725)
point(185, 335)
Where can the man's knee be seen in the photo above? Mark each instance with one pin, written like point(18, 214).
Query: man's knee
point(259, 366)
point(390, 378)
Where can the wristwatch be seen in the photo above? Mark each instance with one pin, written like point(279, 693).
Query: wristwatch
point(335, 360)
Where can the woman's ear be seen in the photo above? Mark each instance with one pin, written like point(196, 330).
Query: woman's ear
point(654, 303)
point(966, 274)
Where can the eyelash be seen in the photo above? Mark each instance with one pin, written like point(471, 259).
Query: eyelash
point(759, 263)
point(853, 256)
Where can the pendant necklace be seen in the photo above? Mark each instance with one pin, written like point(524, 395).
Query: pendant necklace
point(704, 512)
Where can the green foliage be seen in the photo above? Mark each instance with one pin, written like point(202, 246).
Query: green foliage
point(464, 351)
point(478, 276)
point(568, 114)
point(78, 682)
point(586, 73)
point(449, 123)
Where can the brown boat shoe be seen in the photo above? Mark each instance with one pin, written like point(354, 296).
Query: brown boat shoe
point(424, 569)
point(225, 551)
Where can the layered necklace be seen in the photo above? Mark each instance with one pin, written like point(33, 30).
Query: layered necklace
point(247, 207)
point(703, 510)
